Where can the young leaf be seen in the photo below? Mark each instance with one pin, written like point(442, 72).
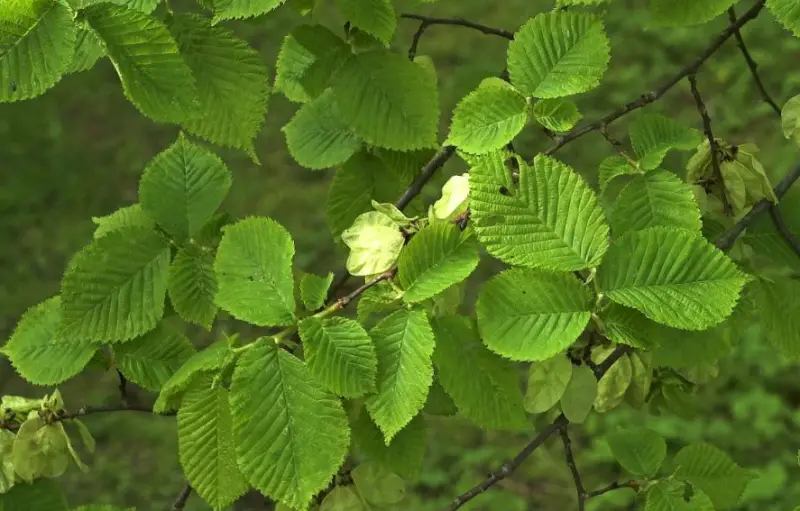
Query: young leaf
point(342, 498)
point(309, 56)
point(114, 288)
point(611, 168)
point(360, 180)
point(787, 12)
point(209, 360)
point(232, 82)
point(192, 285)
point(375, 243)
point(42, 495)
point(7, 477)
point(39, 450)
point(375, 17)
point(239, 9)
point(552, 221)
point(37, 38)
point(711, 470)
point(291, 436)
point(128, 216)
point(547, 381)
point(532, 314)
point(403, 455)
point(686, 12)
point(653, 136)
point(154, 76)
point(673, 276)
point(559, 115)
point(453, 201)
point(612, 386)
point(658, 198)
point(641, 379)
point(340, 355)
point(576, 403)
point(206, 446)
point(39, 353)
point(152, 359)
point(377, 485)
point(488, 118)
point(404, 343)
point(314, 290)
point(254, 271)
point(317, 137)
point(436, 258)
point(672, 495)
point(577, 56)
point(640, 451)
point(388, 101)
point(484, 387)
point(182, 187)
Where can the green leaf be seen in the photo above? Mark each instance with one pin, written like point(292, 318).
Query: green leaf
point(686, 12)
point(128, 216)
point(254, 271)
point(436, 258)
point(360, 180)
point(375, 17)
point(653, 136)
point(379, 299)
point(7, 478)
point(532, 314)
point(152, 359)
point(182, 187)
point(658, 198)
point(309, 56)
point(641, 379)
point(559, 115)
point(39, 353)
point(232, 82)
point(317, 137)
point(787, 12)
point(711, 470)
point(672, 495)
point(576, 403)
point(681, 349)
point(484, 387)
point(640, 451)
point(154, 76)
point(674, 277)
point(88, 50)
point(114, 288)
point(37, 43)
point(453, 201)
point(239, 9)
point(40, 450)
point(611, 168)
point(488, 118)
point(375, 243)
point(439, 402)
point(778, 307)
point(576, 57)
point(552, 221)
point(314, 290)
point(206, 446)
point(612, 386)
point(403, 455)
point(340, 355)
point(209, 360)
point(629, 326)
point(42, 495)
point(192, 285)
point(291, 436)
point(377, 485)
point(342, 498)
point(790, 115)
point(404, 343)
point(388, 101)
point(547, 381)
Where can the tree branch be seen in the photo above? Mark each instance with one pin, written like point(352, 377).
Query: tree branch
point(90, 410)
point(183, 496)
point(616, 485)
point(751, 63)
point(714, 147)
point(646, 99)
point(573, 468)
point(460, 22)
point(783, 229)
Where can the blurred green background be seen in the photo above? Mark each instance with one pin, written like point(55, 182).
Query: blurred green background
point(78, 151)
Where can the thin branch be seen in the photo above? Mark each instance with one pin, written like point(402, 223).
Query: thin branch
point(751, 63)
point(183, 496)
point(573, 468)
point(714, 147)
point(616, 485)
point(460, 22)
point(728, 238)
point(412, 50)
point(123, 386)
point(646, 99)
point(344, 301)
point(783, 229)
point(90, 410)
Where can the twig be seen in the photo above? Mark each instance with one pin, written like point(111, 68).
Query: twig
point(90, 410)
point(727, 239)
point(123, 386)
point(460, 22)
point(412, 50)
point(751, 63)
point(573, 468)
point(714, 147)
point(344, 301)
point(616, 485)
point(646, 99)
point(783, 229)
point(183, 496)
